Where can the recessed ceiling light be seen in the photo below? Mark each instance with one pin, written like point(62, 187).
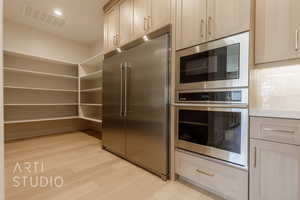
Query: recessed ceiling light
point(58, 12)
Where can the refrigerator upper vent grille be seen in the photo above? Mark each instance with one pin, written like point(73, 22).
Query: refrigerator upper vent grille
point(43, 17)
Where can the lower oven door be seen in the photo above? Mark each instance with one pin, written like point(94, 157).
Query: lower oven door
point(220, 133)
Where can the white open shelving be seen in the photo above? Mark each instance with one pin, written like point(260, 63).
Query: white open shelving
point(44, 96)
point(38, 90)
point(90, 84)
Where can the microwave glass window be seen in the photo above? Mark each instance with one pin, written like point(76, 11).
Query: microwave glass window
point(213, 65)
point(220, 130)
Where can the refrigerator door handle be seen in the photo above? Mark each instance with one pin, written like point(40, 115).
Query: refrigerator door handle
point(125, 87)
point(121, 91)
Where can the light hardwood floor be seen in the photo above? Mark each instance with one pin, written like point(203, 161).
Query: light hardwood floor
point(89, 173)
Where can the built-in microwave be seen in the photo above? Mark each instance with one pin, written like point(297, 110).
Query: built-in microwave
point(218, 64)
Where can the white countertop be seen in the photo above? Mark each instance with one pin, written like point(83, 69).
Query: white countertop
point(275, 114)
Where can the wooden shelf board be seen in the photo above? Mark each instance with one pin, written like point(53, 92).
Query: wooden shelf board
point(91, 119)
point(42, 89)
point(45, 59)
point(90, 104)
point(91, 75)
point(40, 120)
point(39, 73)
point(91, 90)
point(37, 104)
point(92, 58)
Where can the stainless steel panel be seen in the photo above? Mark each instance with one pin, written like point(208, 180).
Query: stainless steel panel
point(113, 119)
point(244, 100)
point(147, 105)
point(240, 159)
point(242, 39)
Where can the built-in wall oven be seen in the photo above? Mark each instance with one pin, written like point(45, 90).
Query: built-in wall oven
point(214, 123)
point(218, 64)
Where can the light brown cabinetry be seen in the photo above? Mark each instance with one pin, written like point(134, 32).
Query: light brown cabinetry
point(274, 159)
point(274, 171)
point(200, 21)
point(277, 30)
point(126, 21)
point(111, 29)
point(228, 17)
point(160, 14)
point(140, 17)
point(229, 182)
point(131, 19)
point(190, 23)
point(150, 15)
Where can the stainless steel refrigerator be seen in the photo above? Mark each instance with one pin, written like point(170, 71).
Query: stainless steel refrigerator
point(135, 105)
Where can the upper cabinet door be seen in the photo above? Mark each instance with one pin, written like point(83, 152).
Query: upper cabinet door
point(140, 17)
point(160, 14)
point(190, 22)
point(126, 21)
point(274, 171)
point(112, 24)
point(276, 30)
point(227, 17)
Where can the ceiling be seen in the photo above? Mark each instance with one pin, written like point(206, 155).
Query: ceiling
point(82, 20)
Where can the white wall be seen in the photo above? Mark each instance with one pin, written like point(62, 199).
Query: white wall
point(97, 48)
point(1, 107)
point(24, 39)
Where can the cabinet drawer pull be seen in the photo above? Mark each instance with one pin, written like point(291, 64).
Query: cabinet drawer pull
point(279, 130)
point(205, 173)
point(297, 40)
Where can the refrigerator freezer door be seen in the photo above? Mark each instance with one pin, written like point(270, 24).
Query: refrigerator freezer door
point(147, 105)
point(113, 120)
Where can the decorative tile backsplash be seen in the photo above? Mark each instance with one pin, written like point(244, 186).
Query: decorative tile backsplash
point(275, 88)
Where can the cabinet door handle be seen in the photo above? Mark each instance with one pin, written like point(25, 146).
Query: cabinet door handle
point(117, 39)
point(205, 173)
point(149, 22)
point(210, 25)
point(202, 28)
point(255, 157)
point(145, 23)
point(297, 40)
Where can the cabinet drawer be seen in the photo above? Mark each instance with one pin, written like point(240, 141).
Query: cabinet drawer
point(229, 182)
point(278, 130)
